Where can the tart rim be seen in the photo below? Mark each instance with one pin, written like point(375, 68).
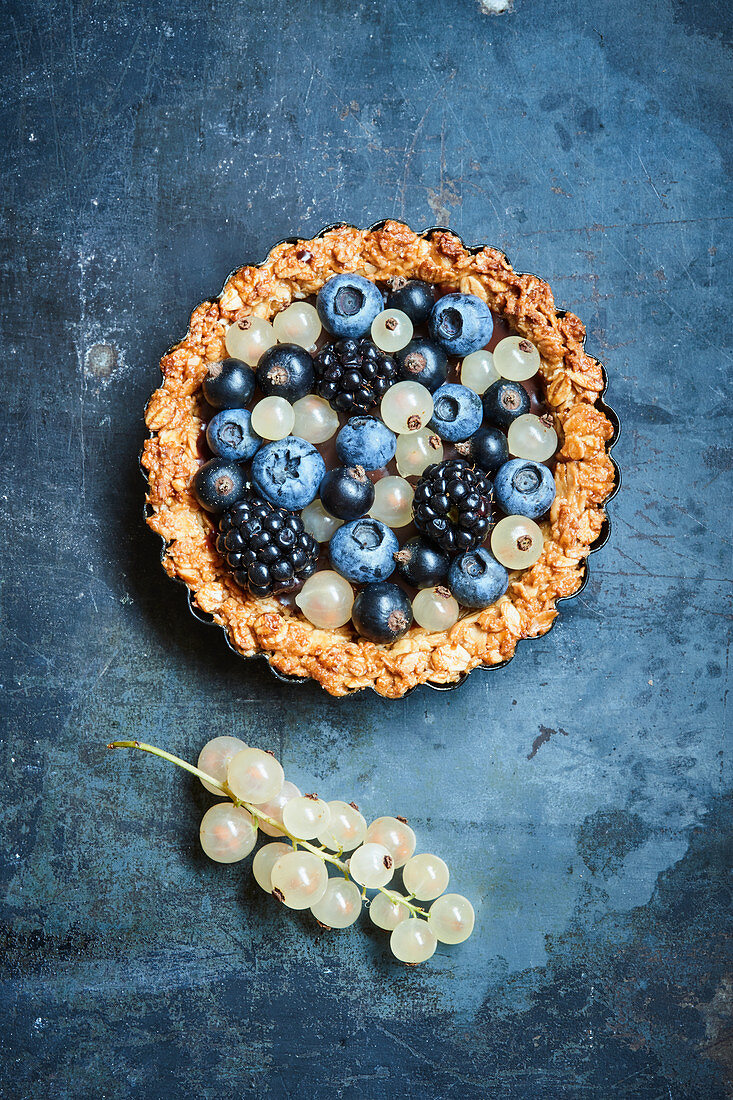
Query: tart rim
point(574, 387)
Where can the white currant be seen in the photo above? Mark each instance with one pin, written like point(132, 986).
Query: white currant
point(387, 911)
point(326, 599)
point(340, 906)
point(395, 835)
point(305, 816)
point(314, 419)
point(346, 828)
point(478, 371)
point(299, 879)
point(214, 759)
point(533, 437)
point(254, 776)
point(451, 917)
point(516, 358)
point(413, 941)
point(227, 833)
point(318, 522)
point(416, 451)
point(425, 876)
point(299, 323)
point(273, 418)
point(435, 609)
point(391, 330)
point(393, 498)
point(517, 542)
point(407, 407)
point(274, 808)
point(249, 338)
point(264, 860)
point(372, 865)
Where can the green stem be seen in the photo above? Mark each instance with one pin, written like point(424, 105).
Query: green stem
point(257, 813)
point(414, 909)
point(203, 776)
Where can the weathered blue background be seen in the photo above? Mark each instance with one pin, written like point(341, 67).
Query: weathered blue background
point(578, 795)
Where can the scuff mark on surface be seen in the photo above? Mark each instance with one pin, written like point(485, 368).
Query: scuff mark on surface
point(100, 360)
point(543, 737)
point(718, 1016)
point(606, 838)
point(495, 7)
point(440, 200)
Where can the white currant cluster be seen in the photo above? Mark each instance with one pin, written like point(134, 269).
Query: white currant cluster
point(259, 798)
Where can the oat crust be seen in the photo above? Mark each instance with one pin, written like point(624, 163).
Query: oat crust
point(338, 659)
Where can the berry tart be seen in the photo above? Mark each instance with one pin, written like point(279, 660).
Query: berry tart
point(380, 458)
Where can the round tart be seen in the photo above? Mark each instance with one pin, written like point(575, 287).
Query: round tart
point(224, 497)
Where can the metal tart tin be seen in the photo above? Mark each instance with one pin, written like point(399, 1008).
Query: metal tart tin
point(598, 544)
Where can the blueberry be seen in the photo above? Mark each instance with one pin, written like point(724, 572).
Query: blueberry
point(219, 484)
point(457, 412)
point(365, 441)
point(424, 362)
point(285, 370)
point(229, 384)
point(524, 488)
point(347, 492)
point(421, 564)
point(461, 323)
point(363, 551)
point(288, 472)
point(229, 435)
point(413, 297)
point(477, 579)
point(504, 401)
point(487, 448)
point(347, 305)
point(382, 612)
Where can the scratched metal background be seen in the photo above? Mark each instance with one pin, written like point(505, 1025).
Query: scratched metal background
point(579, 796)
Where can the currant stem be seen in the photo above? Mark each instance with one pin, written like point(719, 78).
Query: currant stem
point(172, 760)
point(256, 812)
point(414, 909)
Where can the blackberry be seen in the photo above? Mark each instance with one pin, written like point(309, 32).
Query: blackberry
point(353, 375)
point(267, 548)
point(452, 505)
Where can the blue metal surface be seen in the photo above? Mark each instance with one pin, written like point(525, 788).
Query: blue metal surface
point(581, 796)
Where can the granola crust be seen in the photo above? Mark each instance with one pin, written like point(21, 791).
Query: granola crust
point(338, 659)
